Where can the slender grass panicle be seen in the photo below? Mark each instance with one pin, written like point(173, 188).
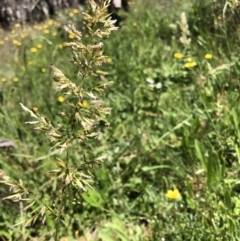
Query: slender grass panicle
point(79, 121)
point(183, 24)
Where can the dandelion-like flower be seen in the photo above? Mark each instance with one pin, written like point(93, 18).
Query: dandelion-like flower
point(60, 99)
point(15, 79)
point(35, 109)
point(173, 194)
point(71, 36)
point(33, 50)
point(190, 64)
point(208, 56)
point(50, 22)
point(109, 60)
point(46, 31)
point(85, 104)
point(178, 55)
point(75, 10)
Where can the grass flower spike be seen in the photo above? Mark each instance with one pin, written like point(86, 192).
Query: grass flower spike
point(83, 113)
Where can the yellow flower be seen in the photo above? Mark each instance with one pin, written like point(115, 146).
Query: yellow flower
point(50, 22)
point(24, 35)
point(173, 194)
point(6, 38)
point(16, 42)
point(71, 36)
point(33, 50)
point(17, 25)
point(60, 99)
point(86, 36)
point(39, 46)
point(60, 46)
point(45, 26)
point(54, 33)
point(75, 10)
point(46, 31)
point(35, 109)
point(178, 55)
point(109, 60)
point(190, 64)
point(13, 31)
point(71, 15)
point(15, 79)
point(4, 79)
point(1, 42)
point(85, 104)
point(208, 56)
point(43, 70)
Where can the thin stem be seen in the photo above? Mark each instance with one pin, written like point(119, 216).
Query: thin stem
point(60, 208)
point(59, 217)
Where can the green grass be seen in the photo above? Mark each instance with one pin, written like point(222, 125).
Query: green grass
point(183, 134)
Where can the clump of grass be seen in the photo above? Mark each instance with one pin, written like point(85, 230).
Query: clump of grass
point(78, 123)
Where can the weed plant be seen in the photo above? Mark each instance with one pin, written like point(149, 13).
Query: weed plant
point(173, 144)
point(76, 125)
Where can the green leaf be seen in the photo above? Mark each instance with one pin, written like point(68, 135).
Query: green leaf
point(200, 154)
point(93, 198)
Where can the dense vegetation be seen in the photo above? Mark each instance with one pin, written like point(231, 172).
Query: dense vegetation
point(173, 143)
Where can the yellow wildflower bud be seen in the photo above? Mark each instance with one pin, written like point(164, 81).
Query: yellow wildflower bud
point(33, 50)
point(15, 79)
point(60, 99)
point(109, 60)
point(71, 36)
point(75, 10)
point(173, 194)
point(208, 56)
point(85, 103)
point(35, 109)
point(178, 55)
